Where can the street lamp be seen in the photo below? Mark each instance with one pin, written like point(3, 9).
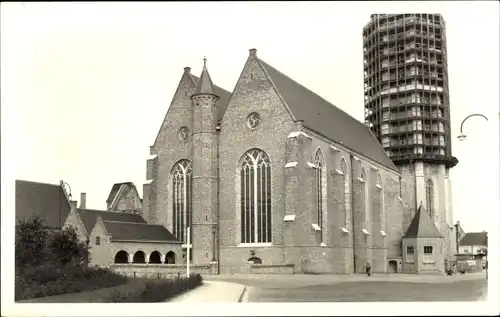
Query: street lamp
point(462, 136)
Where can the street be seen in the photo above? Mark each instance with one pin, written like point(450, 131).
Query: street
point(358, 288)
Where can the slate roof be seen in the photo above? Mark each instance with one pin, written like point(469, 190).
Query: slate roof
point(89, 217)
point(126, 231)
point(422, 226)
point(205, 84)
point(114, 191)
point(324, 118)
point(223, 95)
point(473, 238)
point(48, 201)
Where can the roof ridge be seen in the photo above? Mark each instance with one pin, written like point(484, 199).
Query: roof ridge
point(40, 183)
point(137, 223)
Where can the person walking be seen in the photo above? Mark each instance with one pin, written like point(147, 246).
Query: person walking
point(368, 269)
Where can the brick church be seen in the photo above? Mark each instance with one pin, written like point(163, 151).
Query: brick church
point(270, 178)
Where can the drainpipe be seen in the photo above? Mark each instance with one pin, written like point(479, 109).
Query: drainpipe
point(217, 235)
point(352, 214)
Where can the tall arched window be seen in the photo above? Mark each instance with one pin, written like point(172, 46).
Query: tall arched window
point(382, 208)
point(182, 190)
point(320, 184)
point(367, 200)
point(347, 196)
point(255, 173)
point(429, 195)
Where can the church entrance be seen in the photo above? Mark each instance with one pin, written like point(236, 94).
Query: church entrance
point(393, 267)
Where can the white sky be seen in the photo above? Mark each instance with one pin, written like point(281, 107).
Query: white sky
point(86, 86)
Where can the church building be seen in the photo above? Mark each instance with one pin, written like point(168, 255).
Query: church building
point(273, 178)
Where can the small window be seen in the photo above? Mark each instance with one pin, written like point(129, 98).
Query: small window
point(409, 250)
point(428, 249)
point(97, 240)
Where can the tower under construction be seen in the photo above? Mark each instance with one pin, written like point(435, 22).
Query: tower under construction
point(407, 108)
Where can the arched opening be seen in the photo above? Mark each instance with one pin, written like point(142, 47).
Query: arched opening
point(139, 257)
point(255, 260)
point(170, 258)
point(393, 266)
point(155, 257)
point(121, 257)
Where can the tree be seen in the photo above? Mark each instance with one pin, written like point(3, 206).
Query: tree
point(30, 243)
point(66, 248)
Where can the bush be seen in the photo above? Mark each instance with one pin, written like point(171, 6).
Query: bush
point(55, 280)
point(156, 290)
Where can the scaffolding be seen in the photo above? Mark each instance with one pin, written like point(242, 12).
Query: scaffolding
point(406, 87)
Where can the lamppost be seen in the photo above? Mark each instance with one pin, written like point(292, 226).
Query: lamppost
point(62, 184)
point(462, 136)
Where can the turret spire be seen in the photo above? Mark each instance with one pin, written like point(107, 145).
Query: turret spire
point(205, 85)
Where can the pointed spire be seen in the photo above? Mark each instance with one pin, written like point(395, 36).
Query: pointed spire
point(205, 85)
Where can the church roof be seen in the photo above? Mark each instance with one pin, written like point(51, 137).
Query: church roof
point(324, 118)
point(223, 95)
point(127, 231)
point(474, 238)
point(89, 217)
point(422, 226)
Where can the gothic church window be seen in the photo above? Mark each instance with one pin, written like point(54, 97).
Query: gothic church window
point(429, 196)
point(382, 211)
point(320, 184)
point(347, 198)
point(253, 120)
point(367, 198)
point(181, 198)
point(255, 182)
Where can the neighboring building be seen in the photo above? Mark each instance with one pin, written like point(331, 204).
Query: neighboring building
point(125, 236)
point(272, 176)
point(475, 244)
point(48, 201)
point(124, 197)
point(423, 246)
point(407, 107)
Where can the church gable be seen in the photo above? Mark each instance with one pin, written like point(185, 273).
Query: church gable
point(178, 115)
point(127, 199)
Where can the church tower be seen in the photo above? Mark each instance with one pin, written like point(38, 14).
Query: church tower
point(407, 107)
point(204, 218)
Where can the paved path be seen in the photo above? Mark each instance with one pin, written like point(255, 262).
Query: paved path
point(212, 291)
point(356, 288)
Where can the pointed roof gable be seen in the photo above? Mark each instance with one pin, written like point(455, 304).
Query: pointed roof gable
point(205, 84)
point(324, 118)
point(422, 226)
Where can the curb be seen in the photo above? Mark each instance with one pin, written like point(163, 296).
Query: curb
point(242, 293)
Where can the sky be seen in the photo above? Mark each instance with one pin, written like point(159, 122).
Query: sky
point(85, 86)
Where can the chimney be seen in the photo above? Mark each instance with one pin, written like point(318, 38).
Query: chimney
point(83, 200)
point(253, 51)
point(187, 70)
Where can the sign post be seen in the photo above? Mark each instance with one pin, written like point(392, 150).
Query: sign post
point(188, 250)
